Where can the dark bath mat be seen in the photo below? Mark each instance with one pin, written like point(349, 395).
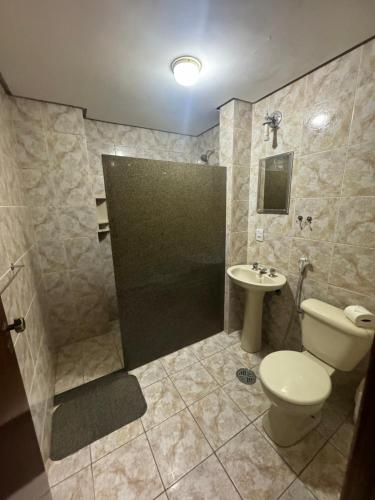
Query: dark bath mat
point(94, 410)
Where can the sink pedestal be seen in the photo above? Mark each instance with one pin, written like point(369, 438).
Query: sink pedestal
point(251, 338)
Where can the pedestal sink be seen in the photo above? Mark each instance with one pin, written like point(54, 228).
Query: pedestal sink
point(255, 285)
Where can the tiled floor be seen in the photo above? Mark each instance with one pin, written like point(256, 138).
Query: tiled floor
point(86, 360)
point(202, 435)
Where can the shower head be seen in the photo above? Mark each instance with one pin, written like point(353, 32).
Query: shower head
point(205, 156)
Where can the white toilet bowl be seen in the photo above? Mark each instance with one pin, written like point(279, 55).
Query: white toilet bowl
point(297, 387)
point(298, 384)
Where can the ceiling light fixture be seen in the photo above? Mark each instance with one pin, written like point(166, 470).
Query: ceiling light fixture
point(186, 70)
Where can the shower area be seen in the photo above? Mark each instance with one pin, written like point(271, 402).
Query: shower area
point(150, 276)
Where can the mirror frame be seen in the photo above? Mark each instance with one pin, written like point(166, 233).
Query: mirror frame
point(288, 157)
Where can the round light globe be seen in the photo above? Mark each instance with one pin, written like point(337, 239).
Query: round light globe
point(186, 70)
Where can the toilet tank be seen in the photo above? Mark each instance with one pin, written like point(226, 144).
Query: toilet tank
point(330, 336)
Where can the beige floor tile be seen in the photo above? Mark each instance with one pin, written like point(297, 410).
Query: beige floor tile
point(248, 359)
point(80, 486)
point(61, 469)
point(301, 453)
point(256, 469)
point(343, 437)
point(207, 347)
point(178, 445)
point(325, 475)
point(128, 472)
point(178, 360)
point(193, 383)
point(207, 481)
point(297, 491)
point(115, 439)
point(163, 401)
point(218, 417)
point(332, 418)
point(149, 373)
point(222, 366)
point(226, 339)
point(69, 368)
point(250, 398)
point(163, 496)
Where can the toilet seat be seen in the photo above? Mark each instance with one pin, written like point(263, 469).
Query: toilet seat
point(295, 378)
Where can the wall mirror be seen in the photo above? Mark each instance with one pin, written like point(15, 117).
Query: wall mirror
point(274, 179)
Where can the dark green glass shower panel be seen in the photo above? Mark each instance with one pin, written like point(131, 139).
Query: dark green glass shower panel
point(167, 223)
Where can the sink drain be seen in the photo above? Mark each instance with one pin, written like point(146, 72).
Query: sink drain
point(246, 376)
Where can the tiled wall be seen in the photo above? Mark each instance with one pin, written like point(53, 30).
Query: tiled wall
point(22, 292)
point(52, 152)
point(333, 181)
point(235, 144)
point(208, 141)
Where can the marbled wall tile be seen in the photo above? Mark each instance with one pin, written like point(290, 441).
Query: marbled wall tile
point(274, 224)
point(31, 148)
point(239, 220)
point(25, 361)
point(127, 136)
point(359, 176)
point(37, 406)
point(125, 151)
point(153, 139)
point(37, 186)
point(67, 150)
point(240, 185)
point(17, 228)
point(180, 143)
point(82, 253)
point(258, 145)
point(291, 102)
point(226, 146)
point(274, 252)
point(356, 262)
point(356, 221)
point(326, 125)
point(78, 221)
point(324, 214)
point(238, 248)
point(319, 254)
point(241, 146)
point(342, 298)
point(65, 119)
point(319, 174)
point(242, 114)
point(337, 77)
point(46, 222)
point(95, 152)
point(11, 192)
point(367, 69)
point(27, 114)
point(363, 123)
point(52, 255)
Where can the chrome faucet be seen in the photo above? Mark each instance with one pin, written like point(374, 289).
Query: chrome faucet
point(272, 273)
point(255, 266)
point(262, 270)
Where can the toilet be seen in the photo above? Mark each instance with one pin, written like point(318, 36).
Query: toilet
point(298, 383)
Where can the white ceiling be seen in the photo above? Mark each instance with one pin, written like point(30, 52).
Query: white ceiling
point(112, 56)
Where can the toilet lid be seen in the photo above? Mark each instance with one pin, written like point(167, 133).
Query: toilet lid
point(295, 378)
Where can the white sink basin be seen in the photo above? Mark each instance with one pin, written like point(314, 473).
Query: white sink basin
point(250, 279)
point(256, 285)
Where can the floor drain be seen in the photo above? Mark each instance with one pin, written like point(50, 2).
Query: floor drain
point(246, 376)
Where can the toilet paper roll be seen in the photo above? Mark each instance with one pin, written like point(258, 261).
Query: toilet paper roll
point(360, 316)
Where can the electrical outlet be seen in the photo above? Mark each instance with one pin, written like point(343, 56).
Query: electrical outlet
point(259, 234)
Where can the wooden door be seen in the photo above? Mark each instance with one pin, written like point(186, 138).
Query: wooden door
point(22, 470)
